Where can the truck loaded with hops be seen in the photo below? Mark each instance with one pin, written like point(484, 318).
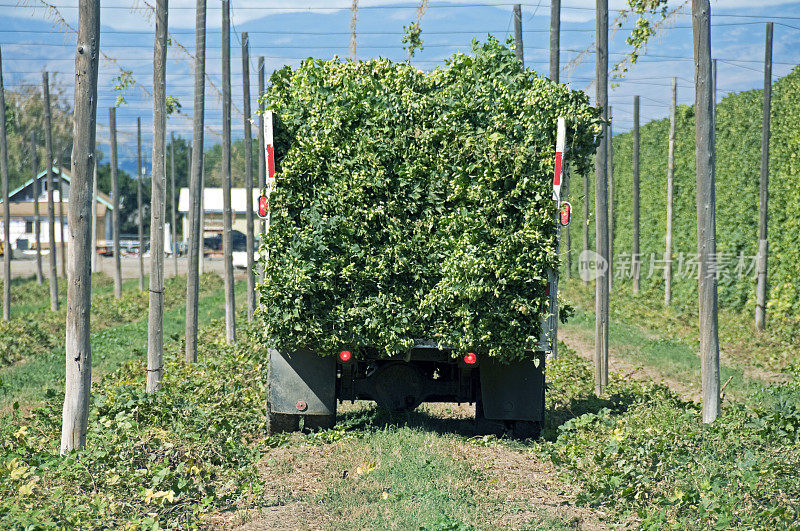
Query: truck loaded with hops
point(412, 246)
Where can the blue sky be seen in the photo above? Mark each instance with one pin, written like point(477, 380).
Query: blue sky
point(33, 38)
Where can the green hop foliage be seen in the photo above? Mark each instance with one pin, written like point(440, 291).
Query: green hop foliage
point(410, 205)
point(412, 37)
point(173, 104)
point(122, 82)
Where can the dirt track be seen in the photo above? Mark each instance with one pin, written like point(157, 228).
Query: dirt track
point(26, 267)
point(520, 487)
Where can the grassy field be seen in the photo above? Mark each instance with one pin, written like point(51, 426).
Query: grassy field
point(120, 333)
point(195, 454)
point(664, 340)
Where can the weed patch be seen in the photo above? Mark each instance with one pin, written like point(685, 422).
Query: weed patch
point(163, 459)
point(646, 453)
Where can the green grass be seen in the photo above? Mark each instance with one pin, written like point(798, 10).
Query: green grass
point(29, 297)
point(413, 478)
point(26, 381)
point(644, 333)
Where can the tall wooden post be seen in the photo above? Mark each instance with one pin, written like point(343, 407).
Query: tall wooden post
point(158, 204)
point(51, 209)
point(601, 203)
point(37, 220)
point(94, 215)
point(139, 213)
point(174, 203)
point(195, 239)
point(635, 247)
point(585, 223)
point(262, 161)
point(670, 194)
point(714, 92)
point(79, 285)
point(518, 33)
point(763, 200)
point(555, 39)
point(112, 124)
point(187, 226)
point(6, 211)
point(706, 205)
point(248, 175)
point(611, 219)
point(227, 222)
point(201, 249)
point(61, 218)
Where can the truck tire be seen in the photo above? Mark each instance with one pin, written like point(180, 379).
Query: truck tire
point(319, 422)
point(484, 426)
point(526, 429)
point(281, 422)
point(518, 429)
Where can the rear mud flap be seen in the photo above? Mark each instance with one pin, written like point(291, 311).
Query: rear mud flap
point(301, 383)
point(513, 391)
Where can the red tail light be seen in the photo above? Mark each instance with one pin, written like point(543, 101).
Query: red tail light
point(565, 216)
point(345, 355)
point(263, 206)
point(470, 358)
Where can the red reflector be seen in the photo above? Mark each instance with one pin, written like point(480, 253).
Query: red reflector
point(547, 290)
point(263, 206)
point(345, 355)
point(470, 358)
point(270, 162)
point(557, 173)
point(565, 216)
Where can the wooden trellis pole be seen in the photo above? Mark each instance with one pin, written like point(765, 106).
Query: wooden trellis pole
point(518, 34)
point(635, 193)
point(79, 284)
point(601, 203)
point(140, 217)
point(585, 222)
point(158, 205)
point(555, 39)
point(227, 222)
point(6, 211)
point(670, 194)
point(611, 218)
point(194, 252)
point(51, 209)
point(37, 220)
point(61, 212)
point(94, 215)
point(174, 203)
point(706, 210)
point(763, 198)
point(248, 175)
point(112, 124)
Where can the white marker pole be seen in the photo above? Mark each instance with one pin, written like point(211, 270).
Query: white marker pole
point(269, 157)
point(558, 174)
point(561, 137)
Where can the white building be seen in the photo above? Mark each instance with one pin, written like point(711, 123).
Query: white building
point(21, 206)
point(212, 210)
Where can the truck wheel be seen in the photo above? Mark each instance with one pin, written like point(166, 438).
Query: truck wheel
point(527, 429)
point(484, 426)
point(281, 423)
point(319, 422)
